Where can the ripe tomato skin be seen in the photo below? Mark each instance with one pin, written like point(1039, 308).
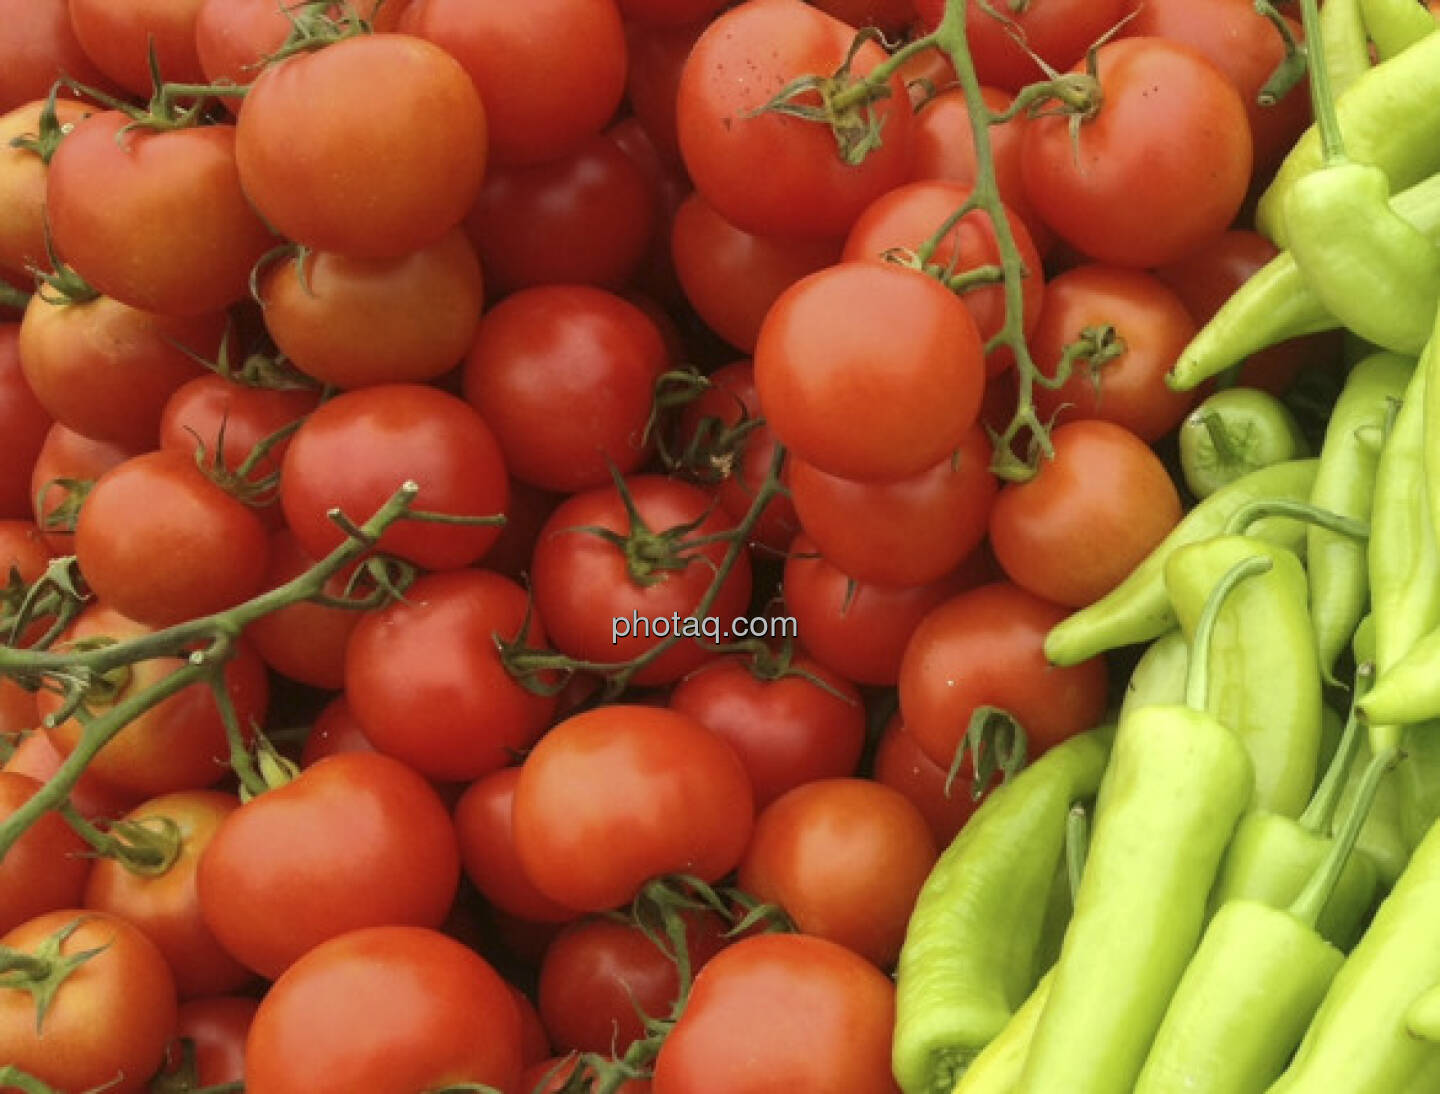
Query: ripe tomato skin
point(483, 825)
point(906, 217)
point(39, 45)
point(180, 743)
point(106, 369)
point(1170, 120)
point(47, 867)
point(335, 730)
point(730, 276)
point(387, 1010)
point(1089, 516)
point(369, 176)
point(858, 632)
point(161, 543)
point(617, 796)
point(863, 399)
point(36, 757)
point(304, 641)
point(24, 424)
point(118, 37)
point(582, 583)
point(985, 647)
point(357, 449)
point(770, 174)
point(578, 44)
point(571, 346)
point(357, 840)
point(156, 220)
point(787, 731)
point(652, 81)
point(782, 1012)
point(1130, 389)
point(668, 12)
point(598, 974)
point(353, 322)
point(65, 454)
point(109, 1022)
point(913, 531)
point(583, 219)
point(216, 1026)
point(23, 176)
point(846, 859)
point(423, 675)
point(901, 765)
point(166, 907)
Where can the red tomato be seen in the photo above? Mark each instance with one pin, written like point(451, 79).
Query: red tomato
point(17, 716)
point(23, 176)
point(846, 859)
point(65, 468)
point(36, 757)
point(47, 866)
point(906, 217)
point(1243, 44)
point(804, 724)
point(772, 174)
point(731, 277)
point(106, 370)
point(1145, 320)
point(728, 400)
point(166, 906)
point(657, 54)
point(901, 765)
point(583, 219)
point(424, 677)
point(335, 730)
point(783, 1012)
point(118, 38)
point(178, 744)
point(25, 554)
point(304, 641)
point(550, 1076)
point(358, 840)
point(579, 45)
point(487, 850)
point(389, 1010)
point(888, 15)
point(107, 1026)
point(528, 511)
point(985, 648)
point(1090, 515)
point(608, 604)
point(618, 796)
point(534, 1041)
point(870, 371)
point(161, 543)
point(215, 1027)
point(156, 220)
point(599, 976)
point(369, 176)
point(1162, 167)
point(39, 46)
point(909, 532)
point(856, 628)
point(354, 322)
point(565, 375)
point(360, 447)
point(24, 424)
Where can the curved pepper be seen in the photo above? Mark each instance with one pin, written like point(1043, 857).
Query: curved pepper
point(1158, 679)
point(1347, 53)
point(1138, 609)
point(969, 953)
point(1394, 25)
point(997, 1069)
point(1234, 432)
point(1177, 784)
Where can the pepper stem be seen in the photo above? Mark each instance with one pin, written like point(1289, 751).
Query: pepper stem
point(1319, 815)
point(1257, 510)
point(1197, 676)
point(1332, 142)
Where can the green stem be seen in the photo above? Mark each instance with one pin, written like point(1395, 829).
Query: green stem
point(12, 1076)
point(1332, 141)
point(878, 77)
point(1077, 846)
point(1220, 439)
point(1248, 514)
point(11, 297)
point(1197, 677)
point(1319, 815)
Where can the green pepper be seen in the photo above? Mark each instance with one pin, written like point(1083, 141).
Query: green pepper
point(997, 1069)
point(1345, 484)
point(970, 947)
point(1418, 779)
point(1389, 117)
point(1359, 1042)
point(1234, 432)
point(1264, 676)
point(1255, 982)
point(1395, 25)
point(1138, 609)
point(1177, 784)
point(1423, 1017)
point(1158, 678)
point(1347, 54)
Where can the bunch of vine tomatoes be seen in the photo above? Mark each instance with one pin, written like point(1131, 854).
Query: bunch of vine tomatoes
point(323, 778)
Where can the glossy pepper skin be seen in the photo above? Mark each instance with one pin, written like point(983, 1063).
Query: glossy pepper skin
point(1234, 432)
point(1395, 25)
point(1345, 484)
point(1138, 609)
point(1158, 678)
point(969, 954)
point(997, 1069)
point(1264, 678)
point(1347, 53)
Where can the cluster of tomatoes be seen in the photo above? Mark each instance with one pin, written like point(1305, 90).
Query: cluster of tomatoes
point(479, 247)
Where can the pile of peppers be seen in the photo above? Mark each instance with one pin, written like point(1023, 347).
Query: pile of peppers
point(1234, 887)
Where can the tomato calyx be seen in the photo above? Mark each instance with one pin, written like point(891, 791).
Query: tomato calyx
point(183, 1077)
point(770, 664)
point(994, 743)
point(240, 481)
point(315, 25)
point(43, 972)
point(649, 555)
point(1096, 347)
point(51, 131)
point(23, 1081)
point(1292, 68)
point(147, 847)
point(11, 297)
point(61, 286)
point(55, 595)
